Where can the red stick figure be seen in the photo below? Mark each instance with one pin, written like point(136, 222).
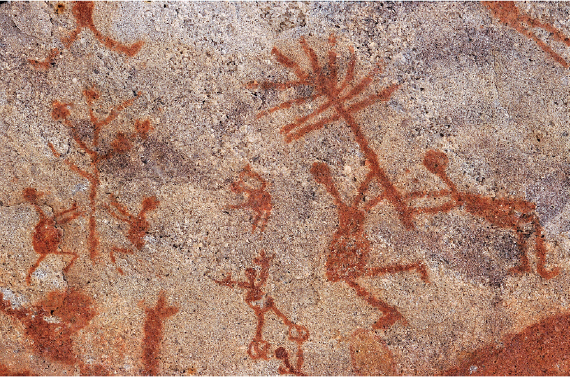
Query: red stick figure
point(258, 199)
point(153, 334)
point(47, 235)
point(348, 254)
point(339, 99)
point(511, 214)
point(261, 303)
point(508, 13)
point(138, 225)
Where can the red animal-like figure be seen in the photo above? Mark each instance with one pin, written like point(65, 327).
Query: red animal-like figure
point(138, 225)
point(511, 214)
point(51, 325)
point(47, 235)
point(258, 199)
point(347, 258)
point(262, 304)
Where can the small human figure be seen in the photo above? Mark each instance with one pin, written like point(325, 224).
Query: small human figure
point(154, 333)
point(508, 13)
point(47, 236)
point(511, 214)
point(258, 199)
point(138, 225)
point(347, 258)
point(83, 13)
point(261, 303)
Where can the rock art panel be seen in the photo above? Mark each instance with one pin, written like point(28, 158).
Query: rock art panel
point(381, 186)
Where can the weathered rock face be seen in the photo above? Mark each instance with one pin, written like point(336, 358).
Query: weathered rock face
point(294, 188)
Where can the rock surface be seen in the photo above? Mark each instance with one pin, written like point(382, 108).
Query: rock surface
point(294, 188)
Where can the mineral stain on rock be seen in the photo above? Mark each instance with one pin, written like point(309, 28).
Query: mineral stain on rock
point(541, 349)
point(51, 324)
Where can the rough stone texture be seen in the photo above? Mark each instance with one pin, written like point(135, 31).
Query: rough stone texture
point(199, 239)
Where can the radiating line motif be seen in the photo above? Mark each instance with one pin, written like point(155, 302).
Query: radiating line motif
point(341, 99)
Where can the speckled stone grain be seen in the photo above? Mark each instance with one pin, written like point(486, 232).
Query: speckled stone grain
point(167, 208)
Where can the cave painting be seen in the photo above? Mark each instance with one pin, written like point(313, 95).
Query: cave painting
point(83, 13)
point(253, 187)
point(347, 257)
point(47, 234)
point(508, 13)
point(138, 225)
point(89, 142)
point(51, 324)
point(511, 214)
point(349, 249)
point(263, 304)
point(154, 333)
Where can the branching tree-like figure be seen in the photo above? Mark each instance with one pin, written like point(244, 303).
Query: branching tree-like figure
point(91, 145)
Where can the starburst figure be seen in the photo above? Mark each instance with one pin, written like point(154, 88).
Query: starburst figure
point(338, 95)
point(342, 100)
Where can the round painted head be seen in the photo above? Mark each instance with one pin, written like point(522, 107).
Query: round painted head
point(31, 195)
point(150, 204)
point(436, 162)
point(321, 173)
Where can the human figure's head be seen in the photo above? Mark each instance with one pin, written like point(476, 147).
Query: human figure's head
point(321, 172)
point(150, 204)
point(436, 162)
point(31, 195)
